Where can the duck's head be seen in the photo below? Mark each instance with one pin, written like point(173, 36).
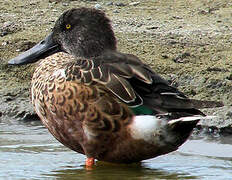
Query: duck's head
point(81, 32)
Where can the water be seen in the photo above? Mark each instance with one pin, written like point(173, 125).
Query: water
point(28, 151)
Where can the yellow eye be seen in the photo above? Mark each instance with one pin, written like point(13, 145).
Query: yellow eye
point(68, 26)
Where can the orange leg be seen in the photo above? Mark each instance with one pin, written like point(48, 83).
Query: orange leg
point(89, 162)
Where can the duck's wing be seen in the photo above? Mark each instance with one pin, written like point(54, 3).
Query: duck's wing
point(135, 83)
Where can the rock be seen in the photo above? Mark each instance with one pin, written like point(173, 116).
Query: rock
point(65, 4)
point(229, 114)
point(27, 116)
point(222, 117)
point(181, 58)
point(54, 1)
point(7, 24)
point(8, 28)
point(177, 17)
point(109, 3)
point(4, 43)
point(15, 103)
point(151, 27)
point(98, 6)
point(121, 4)
point(216, 69)
point(229, 77)
point(115, 11)
point(214, 84)
point(134, 3)
point(164, 56)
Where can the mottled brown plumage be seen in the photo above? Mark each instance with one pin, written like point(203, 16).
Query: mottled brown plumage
point(88, 118)
point(102, 103)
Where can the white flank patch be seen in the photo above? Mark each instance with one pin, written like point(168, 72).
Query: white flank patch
point(144, 127)
point(59, 72)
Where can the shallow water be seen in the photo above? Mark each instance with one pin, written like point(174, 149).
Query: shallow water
point(28, 151)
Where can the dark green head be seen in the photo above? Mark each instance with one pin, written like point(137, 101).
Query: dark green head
point(81, 32)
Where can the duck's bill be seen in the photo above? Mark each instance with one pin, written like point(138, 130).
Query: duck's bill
point(41, 50)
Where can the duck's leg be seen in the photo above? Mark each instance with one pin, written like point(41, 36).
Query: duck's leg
point(89, 162)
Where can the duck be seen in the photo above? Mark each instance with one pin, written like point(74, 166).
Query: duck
point(105, 104)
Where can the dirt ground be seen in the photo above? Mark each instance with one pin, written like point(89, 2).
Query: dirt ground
point(187, 42)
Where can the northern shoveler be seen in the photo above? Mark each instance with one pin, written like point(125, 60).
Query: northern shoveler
point(103, 103)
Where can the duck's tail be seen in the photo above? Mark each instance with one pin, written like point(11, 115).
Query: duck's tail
point(183, 127)
point(189, 119)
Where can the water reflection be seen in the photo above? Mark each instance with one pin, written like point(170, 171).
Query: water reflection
point(28, 151)
point(119, 172)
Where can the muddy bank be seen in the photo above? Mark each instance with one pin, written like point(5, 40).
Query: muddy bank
point(189, 43)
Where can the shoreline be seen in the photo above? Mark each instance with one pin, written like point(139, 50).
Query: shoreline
point(187, 43)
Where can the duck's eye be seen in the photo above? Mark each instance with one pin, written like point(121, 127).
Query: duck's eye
point(68, 26)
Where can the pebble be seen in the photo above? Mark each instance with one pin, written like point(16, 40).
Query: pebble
point(7, 24)
point(4, 43)
point(65, 4)
point(134, 3)
point(120, 4)
point(8, 28)
point(152, 27)
point(229, 77)
point(139, 25)
point(229, 114)
point(98, 6)
point(181, 58)
point(115, 11)
point(109, 3)
point(164, 56)
point(54, 1)
point(177, 17)
point(28, 117)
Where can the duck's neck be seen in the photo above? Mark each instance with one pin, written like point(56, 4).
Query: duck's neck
point(91, 53)
point(95, 47)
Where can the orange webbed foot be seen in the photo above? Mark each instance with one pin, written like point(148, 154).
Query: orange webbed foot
point(89, 162)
